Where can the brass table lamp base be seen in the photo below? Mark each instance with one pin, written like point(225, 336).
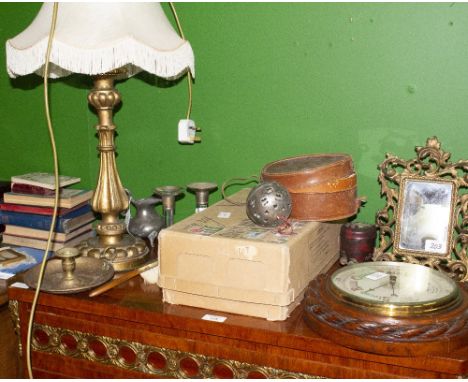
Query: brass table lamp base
point(129, 253)
point(122, 250)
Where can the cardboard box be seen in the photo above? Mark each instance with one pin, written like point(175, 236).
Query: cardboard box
point(218, 259)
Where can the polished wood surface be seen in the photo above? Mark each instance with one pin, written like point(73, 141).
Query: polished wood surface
point(412, 335)
point(134, 312)
point(9, 360)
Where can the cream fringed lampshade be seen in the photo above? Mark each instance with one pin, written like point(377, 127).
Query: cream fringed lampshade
point(106, 41)
point(95, 38)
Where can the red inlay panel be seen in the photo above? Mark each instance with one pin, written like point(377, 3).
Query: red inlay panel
point(98, 348)
point(189, 366)
point(41, 337)
point(256, 375)
point(222, 371)
point(157, 360)
point(69, 342)
point(127, 354)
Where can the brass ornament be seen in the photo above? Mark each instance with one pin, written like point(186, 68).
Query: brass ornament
point(430, 167)
point(268, 204)
point(202, 192)
point(13, 306)
point(172, 363)
point(168, 196)
point(68, 273)
point(125, 252)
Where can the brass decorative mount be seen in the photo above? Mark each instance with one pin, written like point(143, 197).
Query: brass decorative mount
point(151, 360)
point(122, 250)
point(431, 164)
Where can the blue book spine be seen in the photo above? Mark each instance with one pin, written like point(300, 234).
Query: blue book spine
point(42, 221)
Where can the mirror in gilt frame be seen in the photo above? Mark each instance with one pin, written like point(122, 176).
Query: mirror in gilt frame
point(425, 220)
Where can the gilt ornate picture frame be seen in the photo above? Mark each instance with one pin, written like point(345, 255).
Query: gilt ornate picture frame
point(425, 220)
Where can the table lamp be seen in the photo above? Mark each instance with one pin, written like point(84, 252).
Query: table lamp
point(107, 41)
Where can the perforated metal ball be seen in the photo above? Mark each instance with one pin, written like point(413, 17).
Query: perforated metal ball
point(266, 202)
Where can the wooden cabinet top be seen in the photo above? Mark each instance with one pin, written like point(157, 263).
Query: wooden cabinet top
point(138, 306)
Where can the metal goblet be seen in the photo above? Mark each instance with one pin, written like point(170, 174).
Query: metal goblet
point(202, 192)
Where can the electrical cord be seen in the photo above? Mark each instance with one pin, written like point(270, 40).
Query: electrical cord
point(57, 193)
point(229, 182)
point(189, 74)
point(56, 175)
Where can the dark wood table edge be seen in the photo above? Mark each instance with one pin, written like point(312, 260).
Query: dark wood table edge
point(306, 342)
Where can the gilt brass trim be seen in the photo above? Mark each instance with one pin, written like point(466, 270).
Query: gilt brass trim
point(172, 359)
point(450, 301)
point(431, 165)
point(14, 314)
point(112, 243)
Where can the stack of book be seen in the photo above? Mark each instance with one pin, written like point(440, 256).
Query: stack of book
point(5, 186)
point(27, 211)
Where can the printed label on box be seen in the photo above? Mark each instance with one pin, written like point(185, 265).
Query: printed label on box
point(204, 226)
point(246, 229)
point(246, 251)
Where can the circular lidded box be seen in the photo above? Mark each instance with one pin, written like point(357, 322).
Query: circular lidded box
point(323, 187)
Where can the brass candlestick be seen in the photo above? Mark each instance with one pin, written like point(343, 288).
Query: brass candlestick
point(168, 195)
point(125, 252)
point(68, 272)
point(202, 192)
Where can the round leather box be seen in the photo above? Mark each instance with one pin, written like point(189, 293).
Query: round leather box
point(323, 187)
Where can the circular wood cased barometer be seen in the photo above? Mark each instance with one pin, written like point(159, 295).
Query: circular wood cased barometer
point(392, 308)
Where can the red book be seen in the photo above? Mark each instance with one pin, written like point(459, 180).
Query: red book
point(30, 189)
point(5, 186)
point(38, 210)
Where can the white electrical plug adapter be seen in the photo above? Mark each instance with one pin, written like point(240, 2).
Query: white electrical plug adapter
point(187, 131)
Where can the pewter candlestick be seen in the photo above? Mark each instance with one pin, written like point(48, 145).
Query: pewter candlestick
point(202, 192)
point(168, 195)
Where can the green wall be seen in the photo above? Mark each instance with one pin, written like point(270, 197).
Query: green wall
point(272, 80)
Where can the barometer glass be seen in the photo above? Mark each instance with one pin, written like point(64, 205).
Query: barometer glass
point(394, 287)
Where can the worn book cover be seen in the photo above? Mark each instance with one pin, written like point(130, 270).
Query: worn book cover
point(15, 230)
point(5, 186)
point(31, 257)
point(9, 257)
point(43, 179)
point(68, 198)
point(30, 189)
point(65, 223)
point(41, 244)
point(25, 209)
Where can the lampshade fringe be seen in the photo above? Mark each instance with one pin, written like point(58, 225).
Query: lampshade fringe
point(128, 53)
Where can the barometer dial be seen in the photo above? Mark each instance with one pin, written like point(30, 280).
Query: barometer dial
point(394, 288)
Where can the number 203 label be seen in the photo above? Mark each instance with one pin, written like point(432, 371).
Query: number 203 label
point(433, 245)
